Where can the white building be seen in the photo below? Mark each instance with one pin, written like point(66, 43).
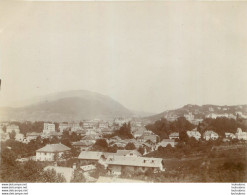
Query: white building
point(230, 135)
point(19, 137)
point(240, 135)
point(210, 135)
point(194, 133)
point(48, 128)
point(48, 152)
point(63, 126)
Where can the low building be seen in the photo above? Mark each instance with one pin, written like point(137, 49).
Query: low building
point(194, 133)
point(116, 165)
point(174, 135)
point(51, 152)
point(89, 157)
point(210, 135)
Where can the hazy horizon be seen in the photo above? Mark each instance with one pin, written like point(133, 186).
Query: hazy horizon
point(148, 56)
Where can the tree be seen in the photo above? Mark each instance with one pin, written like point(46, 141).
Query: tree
point(130, 146)
point(141, 150)
point(12, 135)
point(101, 143)
point(50, 176)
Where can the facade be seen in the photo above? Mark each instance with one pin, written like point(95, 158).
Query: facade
point(210, 135)
point(48, 128)
point(240, 135)
point(88, 157)
point(63, 126)
point(19, 137)
point(116, 165)
point(174, 135)
point(194, 133)
point(51, 151)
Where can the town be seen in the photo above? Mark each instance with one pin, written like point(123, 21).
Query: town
point(126, 149)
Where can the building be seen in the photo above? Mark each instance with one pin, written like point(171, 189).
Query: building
point(194, 133)
point(120, 121)
point(32, 136)
point(51, 152)
point(88, 125)
point(230, 135)
point(11, 128)
point(89, 157)
point(240, 135)
point(174, 135)
point(137, 133)
point(166, 142)
point(134, 153)
point(210, 135)
point(75, 126)
point(83, 145)
point(19, 137)
point(63, 126)
point(48, 128)
point(103, 125)
point(116, 165)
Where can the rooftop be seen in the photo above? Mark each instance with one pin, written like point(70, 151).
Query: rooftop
point(54, 148)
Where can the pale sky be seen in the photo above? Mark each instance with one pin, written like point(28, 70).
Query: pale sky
point(149, 56)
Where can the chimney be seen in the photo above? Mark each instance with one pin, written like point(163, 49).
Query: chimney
point(74, 166)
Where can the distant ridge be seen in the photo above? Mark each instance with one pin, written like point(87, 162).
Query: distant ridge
point(200, 111)
point(67, 106)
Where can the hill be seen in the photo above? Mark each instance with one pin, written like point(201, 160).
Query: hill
point(67, 106)
point(200, 112)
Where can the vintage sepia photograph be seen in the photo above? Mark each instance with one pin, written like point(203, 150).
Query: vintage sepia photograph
point(123, 91)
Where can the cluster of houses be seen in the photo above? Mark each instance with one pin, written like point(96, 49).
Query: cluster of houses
point(115, 163)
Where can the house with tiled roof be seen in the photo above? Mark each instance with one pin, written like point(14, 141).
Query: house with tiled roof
point(51, 152)
point(116, 165)
point(89, 157)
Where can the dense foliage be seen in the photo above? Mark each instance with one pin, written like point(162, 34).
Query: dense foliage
point(163, 127)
